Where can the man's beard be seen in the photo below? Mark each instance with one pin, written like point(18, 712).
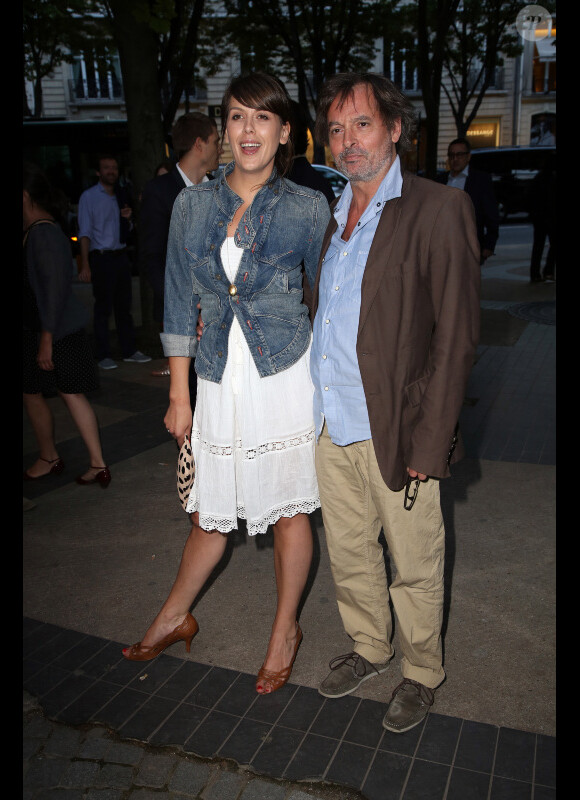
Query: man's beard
point(363, 171)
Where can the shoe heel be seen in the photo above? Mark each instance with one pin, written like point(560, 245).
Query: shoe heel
point(104, 478)
point(195, 629)
point(58, 467)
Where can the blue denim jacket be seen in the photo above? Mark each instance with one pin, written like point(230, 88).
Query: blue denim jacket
point(281, 231)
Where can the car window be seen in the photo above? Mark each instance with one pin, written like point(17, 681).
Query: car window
point(499, 163)
point(337, 181)
point(509, 162)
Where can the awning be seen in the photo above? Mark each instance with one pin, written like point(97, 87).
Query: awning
point(546, 48)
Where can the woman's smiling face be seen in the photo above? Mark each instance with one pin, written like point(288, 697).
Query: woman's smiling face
point(254, 136)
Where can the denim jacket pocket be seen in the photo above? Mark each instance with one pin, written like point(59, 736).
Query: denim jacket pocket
point(282, 261)
point(197, 261)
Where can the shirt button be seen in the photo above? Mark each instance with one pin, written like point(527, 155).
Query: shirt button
point(336, 288)
point(327, 321)
point(233, 290)
point(324, 358)
point(220, 354)
point(345, 253)
point(326, 388)
point(218, 277)
point(220, 224)
point(212, 247)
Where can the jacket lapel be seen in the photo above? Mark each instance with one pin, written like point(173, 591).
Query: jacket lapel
point(330, 229)
point(177, 179)
point(379, 255)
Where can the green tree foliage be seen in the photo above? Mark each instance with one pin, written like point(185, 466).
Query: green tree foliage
point(53, 31)
point(305, 42)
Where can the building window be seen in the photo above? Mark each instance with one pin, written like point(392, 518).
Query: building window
point(544, 60)
point(543, 129)
point(398, 66)
point(544, 68)
point(97, 76)
point(475, 79)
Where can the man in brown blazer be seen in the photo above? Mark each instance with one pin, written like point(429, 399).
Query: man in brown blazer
point(396, 325)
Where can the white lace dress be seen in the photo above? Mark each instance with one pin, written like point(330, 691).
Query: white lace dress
point(252, 438)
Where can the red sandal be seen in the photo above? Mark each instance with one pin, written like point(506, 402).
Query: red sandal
point(184, 632)
point(272, 681)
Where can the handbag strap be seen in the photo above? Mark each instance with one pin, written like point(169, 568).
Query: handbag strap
point(32, 225)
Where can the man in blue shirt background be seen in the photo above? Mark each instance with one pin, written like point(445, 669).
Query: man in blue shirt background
point(103, 221)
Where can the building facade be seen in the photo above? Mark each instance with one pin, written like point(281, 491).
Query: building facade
point(87, 95)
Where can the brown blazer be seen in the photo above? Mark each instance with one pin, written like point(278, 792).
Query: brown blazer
point(418, 327)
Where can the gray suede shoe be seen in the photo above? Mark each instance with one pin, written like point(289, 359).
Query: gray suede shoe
point(347, 672)
point(410, 703)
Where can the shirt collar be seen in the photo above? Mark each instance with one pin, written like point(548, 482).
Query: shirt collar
point(103, 190)
point(228, 202)
point(186, 180)
point(464, 172)
point(389, 188)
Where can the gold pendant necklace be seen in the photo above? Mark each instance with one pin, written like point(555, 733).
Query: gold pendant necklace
point(233, 289)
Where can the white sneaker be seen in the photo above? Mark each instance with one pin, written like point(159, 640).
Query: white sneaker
point(138, 357)
point(107, 363)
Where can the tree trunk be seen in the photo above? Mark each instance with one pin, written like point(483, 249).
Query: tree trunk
point(38, 96)
point(138, 53)
point(138, 47)
point(431, 143)
point(188, 62)
point(431, 53)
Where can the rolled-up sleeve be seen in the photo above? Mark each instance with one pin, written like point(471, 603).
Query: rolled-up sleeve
point(84, 217)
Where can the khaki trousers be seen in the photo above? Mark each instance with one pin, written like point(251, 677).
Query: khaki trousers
point(356, 504)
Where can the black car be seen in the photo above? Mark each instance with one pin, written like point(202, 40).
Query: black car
point(336, 178)
point(512, 169)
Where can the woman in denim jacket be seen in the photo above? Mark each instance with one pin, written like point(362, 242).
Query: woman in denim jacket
point(237, 246)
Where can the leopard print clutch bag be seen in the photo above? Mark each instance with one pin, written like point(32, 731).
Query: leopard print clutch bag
point(185, 472)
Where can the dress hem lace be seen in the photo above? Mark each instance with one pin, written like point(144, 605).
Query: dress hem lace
point(227, 524)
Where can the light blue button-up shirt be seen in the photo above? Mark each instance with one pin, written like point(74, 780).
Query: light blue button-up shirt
point(338, 391)
point(99, 219)
point(458, 181)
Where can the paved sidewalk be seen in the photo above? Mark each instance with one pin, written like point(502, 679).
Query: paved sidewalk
point(97, 565)
point(93, 763)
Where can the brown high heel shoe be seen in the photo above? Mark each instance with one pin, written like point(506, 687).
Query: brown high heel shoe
point(103, 477)
point(275, 680)
point(184, 632)
point(56, 469)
